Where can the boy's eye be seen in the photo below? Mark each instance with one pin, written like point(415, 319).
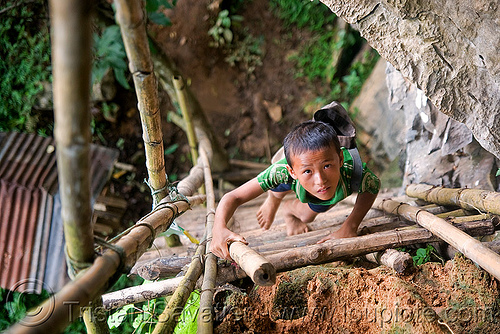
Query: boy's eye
point(307, 171)
point(328, 166)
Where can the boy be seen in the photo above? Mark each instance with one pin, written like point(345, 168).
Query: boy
point(318, 170)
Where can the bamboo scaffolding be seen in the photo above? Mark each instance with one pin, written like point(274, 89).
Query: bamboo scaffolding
point(467, 245)
point(71, 52)
point(130, 17)
point(342, 249)
point(170, 316)
point(205, 314)
point(468, 199)
point(230, 273)
point(180, 86)
point(70, 21)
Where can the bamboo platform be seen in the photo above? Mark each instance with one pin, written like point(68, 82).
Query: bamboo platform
point(275, 239)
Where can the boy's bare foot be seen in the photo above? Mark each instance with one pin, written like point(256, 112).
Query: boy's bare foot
point(339, 234)
point(295, 225)
point(267, 211)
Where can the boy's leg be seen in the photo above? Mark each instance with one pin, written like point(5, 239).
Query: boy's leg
point(297, 216)
point(267, 211)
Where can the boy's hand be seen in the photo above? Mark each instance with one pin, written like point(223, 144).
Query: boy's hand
point(220, 240)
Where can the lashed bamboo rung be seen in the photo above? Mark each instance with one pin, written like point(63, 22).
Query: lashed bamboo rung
point(468, 199)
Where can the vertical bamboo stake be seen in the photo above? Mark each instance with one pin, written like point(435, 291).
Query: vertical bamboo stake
point(168, 319)
point(131, 18)
point(71, 45)
point(205, 319)
point(71, 58)
point(181, 98)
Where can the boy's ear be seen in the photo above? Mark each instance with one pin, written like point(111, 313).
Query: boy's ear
point(291, 171)
point(341, 155)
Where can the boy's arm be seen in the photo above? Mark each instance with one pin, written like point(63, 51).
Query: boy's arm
point(221, 235)
point(349, 228)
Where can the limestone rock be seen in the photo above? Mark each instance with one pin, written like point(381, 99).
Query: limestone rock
point(382, 127)
point(449, 49)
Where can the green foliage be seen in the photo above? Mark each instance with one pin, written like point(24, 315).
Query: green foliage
point(109, 53)
point(313, 15)
point(359, 72)
point(155, 8)
point(24, 64)
point(188, 320)
point(313, 60)
point(221, 31)
point(241, 47)
point(423, 255)
point(313, 63)
point(15, 305)
point(171, 149)
point(247, 53)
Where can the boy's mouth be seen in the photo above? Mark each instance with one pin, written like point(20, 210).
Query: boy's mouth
point(323, 190)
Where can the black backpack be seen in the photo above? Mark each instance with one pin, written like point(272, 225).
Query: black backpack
point(336, 116)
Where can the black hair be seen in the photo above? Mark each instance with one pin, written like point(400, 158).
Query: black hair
point(310, 136)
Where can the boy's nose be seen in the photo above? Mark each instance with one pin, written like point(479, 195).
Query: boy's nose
point(320, 178)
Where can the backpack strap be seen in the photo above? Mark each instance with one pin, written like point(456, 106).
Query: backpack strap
point(357, 172)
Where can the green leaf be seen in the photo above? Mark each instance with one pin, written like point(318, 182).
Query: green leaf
point(171, 149)
point(226, 22)
point(117, 318)
point(228, 35)
point(152, 5)
point(122, 80)
point(188, 320)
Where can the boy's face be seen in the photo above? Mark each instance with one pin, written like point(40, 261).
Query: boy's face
point(317, 171)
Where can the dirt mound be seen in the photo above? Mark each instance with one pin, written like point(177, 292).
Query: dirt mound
point(457, 297)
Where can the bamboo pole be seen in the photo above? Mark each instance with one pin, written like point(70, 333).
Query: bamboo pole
point(71, 45)
point(468, 199)
point(71, 56)
point(257, 267)
point(467, 245)
point(205, 318)
point(401, 262)
point(179, 86)
point(131, 18)
point(168, 319)
point(140, 293)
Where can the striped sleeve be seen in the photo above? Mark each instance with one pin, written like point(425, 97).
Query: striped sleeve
point(273, 176)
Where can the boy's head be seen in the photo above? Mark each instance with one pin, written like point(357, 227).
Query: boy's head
point(313, 154)
point(310, 136)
